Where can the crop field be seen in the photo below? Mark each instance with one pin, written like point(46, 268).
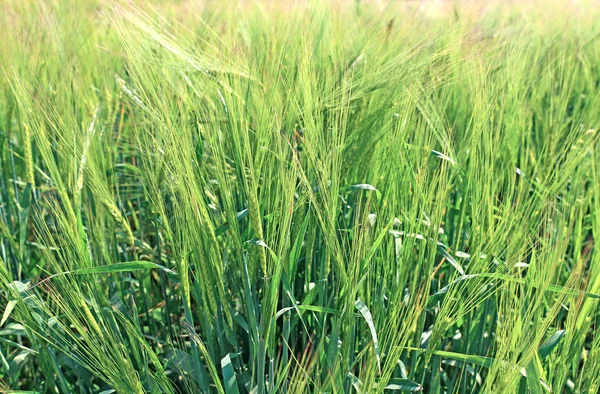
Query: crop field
point(259, 197)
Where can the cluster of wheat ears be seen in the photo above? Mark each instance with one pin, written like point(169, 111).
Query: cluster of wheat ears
point(299, 197)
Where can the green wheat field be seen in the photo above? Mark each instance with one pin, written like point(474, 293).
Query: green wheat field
point(259, 197)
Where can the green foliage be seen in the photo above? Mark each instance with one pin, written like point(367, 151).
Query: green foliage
point(299, 197)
